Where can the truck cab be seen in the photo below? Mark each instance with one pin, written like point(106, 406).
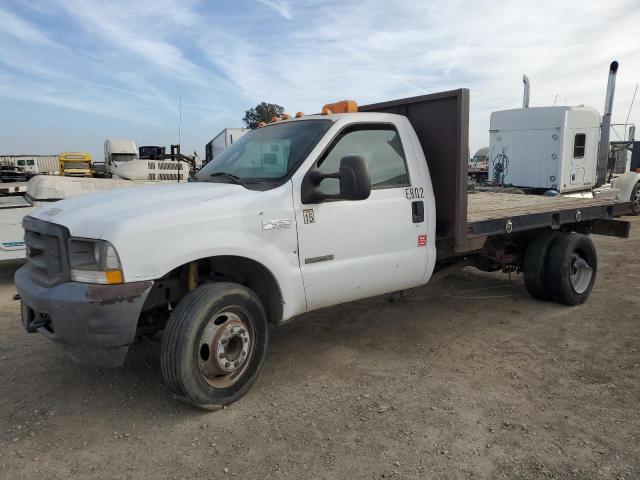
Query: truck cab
point(74, 164)
point(30, 166)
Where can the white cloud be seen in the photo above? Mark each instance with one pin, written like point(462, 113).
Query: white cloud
point(383, 49)
point(280, 6)
point(19, 28)
point(141, 28)
point(133, 59)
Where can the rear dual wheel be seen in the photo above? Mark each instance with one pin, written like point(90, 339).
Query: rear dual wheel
point(560, 267)
point(214, 345)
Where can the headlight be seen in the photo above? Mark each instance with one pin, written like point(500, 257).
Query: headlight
point(94, 261)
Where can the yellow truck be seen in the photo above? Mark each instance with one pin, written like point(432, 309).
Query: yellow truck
point(74, 164)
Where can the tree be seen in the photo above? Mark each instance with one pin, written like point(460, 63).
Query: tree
point(263, 112)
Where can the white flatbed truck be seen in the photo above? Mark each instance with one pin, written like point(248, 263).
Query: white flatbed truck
point(355, 204)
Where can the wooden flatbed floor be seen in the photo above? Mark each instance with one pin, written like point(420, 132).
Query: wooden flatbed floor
point(490, 213)
point(483, 206)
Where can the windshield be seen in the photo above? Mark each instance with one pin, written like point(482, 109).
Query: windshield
point(71, 165)
point(123, 157)
point(269, 153)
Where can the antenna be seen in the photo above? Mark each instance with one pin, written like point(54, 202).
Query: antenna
point(180, 122)
point(555, 100)
point(630, 107)
point(527, 88)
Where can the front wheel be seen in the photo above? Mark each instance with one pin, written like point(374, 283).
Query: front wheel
point(214, 345)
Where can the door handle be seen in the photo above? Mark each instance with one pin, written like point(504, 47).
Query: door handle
point(417, 211)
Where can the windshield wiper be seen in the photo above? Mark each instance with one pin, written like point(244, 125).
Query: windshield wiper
point(234, 178)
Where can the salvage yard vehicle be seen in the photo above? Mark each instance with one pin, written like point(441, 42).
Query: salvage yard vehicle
point(357, 202)
point(12, 173)
point(74, 164)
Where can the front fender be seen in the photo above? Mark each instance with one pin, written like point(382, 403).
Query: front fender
point(624, 184)
point(276, 250)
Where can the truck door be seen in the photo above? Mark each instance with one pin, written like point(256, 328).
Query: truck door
point(356, 249)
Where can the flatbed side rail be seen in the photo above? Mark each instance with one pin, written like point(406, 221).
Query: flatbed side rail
point(601, 216)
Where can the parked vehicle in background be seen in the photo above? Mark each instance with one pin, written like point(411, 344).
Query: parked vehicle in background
point(29, 165)
point(75, 164)
point(152, 152)
point(562, 150)
point(98, 170)
point(123, 160)
point(222, 141)
point(354, 202)
point(42, 164)
point(479, 165)
point(12, 173)
point(118, 155)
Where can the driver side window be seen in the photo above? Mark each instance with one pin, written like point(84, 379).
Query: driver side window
point(382, 150)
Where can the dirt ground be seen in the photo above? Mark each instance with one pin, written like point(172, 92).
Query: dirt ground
point(468, 378)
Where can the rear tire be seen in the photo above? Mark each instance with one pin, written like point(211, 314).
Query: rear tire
point(535, 264)
point(572, 264)
point(214, 345)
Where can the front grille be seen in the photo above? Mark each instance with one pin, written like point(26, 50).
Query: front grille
point(46, 252)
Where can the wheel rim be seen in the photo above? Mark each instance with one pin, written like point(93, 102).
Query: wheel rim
point(225, 347)
point(580, 273)
point(636, 201)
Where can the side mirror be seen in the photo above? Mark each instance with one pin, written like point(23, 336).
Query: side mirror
point(355, 183)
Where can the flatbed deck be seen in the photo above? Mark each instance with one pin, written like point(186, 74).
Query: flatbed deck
point(491, 213)
point(483, 206)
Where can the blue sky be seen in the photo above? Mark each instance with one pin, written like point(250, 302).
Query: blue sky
point(75, 72)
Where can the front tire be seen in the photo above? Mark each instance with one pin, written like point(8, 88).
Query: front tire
point(214, 345)
point(572, 265)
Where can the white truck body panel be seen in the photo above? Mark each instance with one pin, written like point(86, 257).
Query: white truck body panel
point(224, 139)
point(12, 210)
point(539, 145)
point(374, 243)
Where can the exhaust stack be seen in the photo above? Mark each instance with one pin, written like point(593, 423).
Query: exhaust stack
point(527, 88)
point(603, 149)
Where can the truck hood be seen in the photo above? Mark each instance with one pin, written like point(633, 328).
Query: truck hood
point(99, 215)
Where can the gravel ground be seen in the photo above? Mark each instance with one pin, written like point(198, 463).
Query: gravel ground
point(468, 378)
